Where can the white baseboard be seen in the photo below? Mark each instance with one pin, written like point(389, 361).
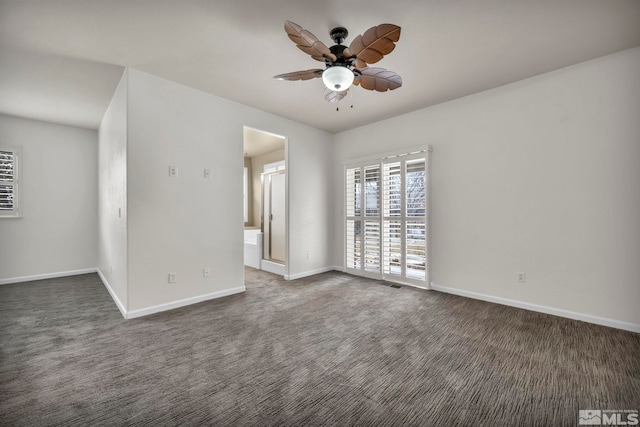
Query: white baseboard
point(312, 272)
point(183, 302)
point(115, 298)
point(273, 267)
point(540, 308)
point(46, 276)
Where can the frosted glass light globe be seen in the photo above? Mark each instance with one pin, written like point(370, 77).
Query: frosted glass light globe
point(337, 78)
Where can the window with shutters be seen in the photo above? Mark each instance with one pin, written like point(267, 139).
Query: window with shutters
point(386, 222)
point(9, 182)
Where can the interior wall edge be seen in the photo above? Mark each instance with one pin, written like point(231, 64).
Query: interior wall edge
point(114, 296)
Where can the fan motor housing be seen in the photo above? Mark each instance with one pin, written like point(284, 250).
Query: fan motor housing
point(337, 50)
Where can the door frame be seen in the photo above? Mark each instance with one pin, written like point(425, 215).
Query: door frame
point(263, 221)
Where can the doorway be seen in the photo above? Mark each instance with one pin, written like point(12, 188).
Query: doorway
point(265, 201)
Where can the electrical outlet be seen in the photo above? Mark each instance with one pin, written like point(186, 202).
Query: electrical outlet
point(206, 272)
point(521, 277)
point(308, 255)
point(207, 173)
point(173, 171)
point(172, 277)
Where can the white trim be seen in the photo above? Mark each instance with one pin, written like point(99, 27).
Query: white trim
point(273, 267)
point(339, 268)
point(541, 309)
point(46, 276)
point(183, 302)
point(245, 192)
point(311, 273)
point(274, 167)
point(114, 297)
point(383, 156)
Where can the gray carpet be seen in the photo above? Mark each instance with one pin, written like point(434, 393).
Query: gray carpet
point(328, 350)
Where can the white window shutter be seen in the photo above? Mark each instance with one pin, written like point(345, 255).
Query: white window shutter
point(9, 182)
point(386, 227)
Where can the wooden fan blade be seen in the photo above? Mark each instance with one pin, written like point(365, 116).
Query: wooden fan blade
point(379, 79)
point(300, 75)
point(333, 96)
point(374, 44)
point(346, 53)
point(308, 43)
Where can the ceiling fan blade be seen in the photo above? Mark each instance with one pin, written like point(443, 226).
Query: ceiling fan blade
point(333, 96)
point(346, 53)
point(374, 44)
point(308, 43)
point(379, 79)
point(300, 75)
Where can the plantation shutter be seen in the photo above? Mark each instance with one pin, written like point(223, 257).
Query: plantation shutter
point(354, 220)
point(362, 228)
point(372, 219)
point(416, 222)
point(8, 182)
point(392, 224)
point(386, 225)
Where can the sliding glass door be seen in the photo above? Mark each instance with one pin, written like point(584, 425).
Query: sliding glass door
point(386, 224)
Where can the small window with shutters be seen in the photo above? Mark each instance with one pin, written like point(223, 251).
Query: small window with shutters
point(9, 182)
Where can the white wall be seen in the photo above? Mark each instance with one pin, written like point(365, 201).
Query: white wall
point(540, 176)
point(57, 230)
point(112, 232)
point(186, 223)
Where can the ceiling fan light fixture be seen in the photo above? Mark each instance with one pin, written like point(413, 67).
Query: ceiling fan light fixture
point(337, 78)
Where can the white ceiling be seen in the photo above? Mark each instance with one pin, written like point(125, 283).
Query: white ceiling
point(60, 60)
point(257, 142)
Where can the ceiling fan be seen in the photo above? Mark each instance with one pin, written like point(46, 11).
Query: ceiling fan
point(344, 65)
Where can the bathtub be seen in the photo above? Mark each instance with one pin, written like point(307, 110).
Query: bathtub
point(252, 247)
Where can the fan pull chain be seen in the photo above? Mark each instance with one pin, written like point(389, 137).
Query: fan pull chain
point(338, 101)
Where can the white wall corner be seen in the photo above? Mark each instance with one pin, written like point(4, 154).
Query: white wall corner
point(312, 272)
point(115, 298)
